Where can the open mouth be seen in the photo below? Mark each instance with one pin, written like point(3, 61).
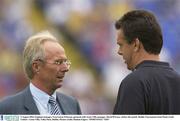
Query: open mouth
point(60, 77)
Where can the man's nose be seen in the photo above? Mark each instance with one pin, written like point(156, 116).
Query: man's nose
point(119, 52)
point(65, 67)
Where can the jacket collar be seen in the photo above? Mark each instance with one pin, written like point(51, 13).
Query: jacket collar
point(29, 103)
point(63, 104)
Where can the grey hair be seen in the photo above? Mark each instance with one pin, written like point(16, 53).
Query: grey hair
point(33, 50)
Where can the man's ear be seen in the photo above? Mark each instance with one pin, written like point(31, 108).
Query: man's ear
point(36, 66)
point(137, 44)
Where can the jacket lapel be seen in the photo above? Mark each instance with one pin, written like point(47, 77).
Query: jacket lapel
point(29, 102)
point(64, 105)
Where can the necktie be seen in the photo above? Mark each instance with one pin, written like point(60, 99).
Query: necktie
point(54, 108)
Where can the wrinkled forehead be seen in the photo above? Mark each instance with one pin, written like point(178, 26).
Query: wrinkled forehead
point(54, 50)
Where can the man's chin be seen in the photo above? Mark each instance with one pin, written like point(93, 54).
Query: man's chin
point(129, 67)
point(59, 85)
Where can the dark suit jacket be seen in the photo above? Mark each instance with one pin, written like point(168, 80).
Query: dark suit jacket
point(23, 103)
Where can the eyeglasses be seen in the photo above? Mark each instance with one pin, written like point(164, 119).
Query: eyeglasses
point(58, 62)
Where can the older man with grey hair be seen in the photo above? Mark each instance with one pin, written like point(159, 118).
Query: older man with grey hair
point(45, 64)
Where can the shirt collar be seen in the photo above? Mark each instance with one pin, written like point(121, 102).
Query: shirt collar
point(151, 63)
point(40, 95)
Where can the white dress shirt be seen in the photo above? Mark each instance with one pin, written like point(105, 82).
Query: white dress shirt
point(41, 99)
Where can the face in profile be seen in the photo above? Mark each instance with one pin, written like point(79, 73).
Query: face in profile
point(53, 70)
point(126, 50)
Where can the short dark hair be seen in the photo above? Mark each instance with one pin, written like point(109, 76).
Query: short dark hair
point(143, 25)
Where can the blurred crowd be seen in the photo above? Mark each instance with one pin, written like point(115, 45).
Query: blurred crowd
point(86, 30)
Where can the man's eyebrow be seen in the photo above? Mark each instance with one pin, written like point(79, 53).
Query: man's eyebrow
point(59, 59)
point(119, 43)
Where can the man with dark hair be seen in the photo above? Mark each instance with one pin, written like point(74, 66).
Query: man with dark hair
point(153, 87)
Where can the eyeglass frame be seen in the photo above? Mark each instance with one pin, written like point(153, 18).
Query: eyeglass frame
point(58, 62)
